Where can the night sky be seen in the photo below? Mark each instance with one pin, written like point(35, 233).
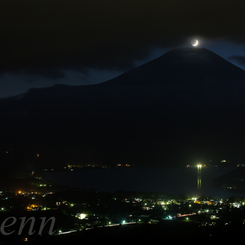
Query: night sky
point(47, 42)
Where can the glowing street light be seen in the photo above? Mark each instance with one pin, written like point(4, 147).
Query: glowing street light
point(81, 216)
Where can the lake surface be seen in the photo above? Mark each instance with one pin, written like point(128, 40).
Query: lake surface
point(174, 181)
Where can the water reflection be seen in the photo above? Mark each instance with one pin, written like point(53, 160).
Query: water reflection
point(199, 178)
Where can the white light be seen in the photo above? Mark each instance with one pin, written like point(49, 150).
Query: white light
point(194, 42)
point(82, 216)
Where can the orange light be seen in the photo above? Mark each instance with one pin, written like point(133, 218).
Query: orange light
point(31, 207)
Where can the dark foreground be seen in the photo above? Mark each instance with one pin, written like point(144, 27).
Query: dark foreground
point(166, 232)
point(169, 231)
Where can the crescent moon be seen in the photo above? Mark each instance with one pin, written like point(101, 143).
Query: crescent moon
point(196, 43)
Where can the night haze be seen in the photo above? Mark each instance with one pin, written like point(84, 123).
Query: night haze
point(120, 114)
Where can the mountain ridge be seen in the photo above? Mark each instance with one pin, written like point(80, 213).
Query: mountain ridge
point(187, 62)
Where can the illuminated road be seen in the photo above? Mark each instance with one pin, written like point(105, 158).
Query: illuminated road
point(111, 225)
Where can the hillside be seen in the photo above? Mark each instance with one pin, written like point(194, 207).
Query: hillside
point(185, 106)
point(233, 181)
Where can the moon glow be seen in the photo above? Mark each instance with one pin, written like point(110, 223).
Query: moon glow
point(194, 42)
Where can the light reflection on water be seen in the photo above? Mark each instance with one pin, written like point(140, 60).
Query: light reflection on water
point(199, 178)
point(171, 180)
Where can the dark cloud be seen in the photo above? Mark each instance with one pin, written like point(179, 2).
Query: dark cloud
point(239, 58)
point(78, 34)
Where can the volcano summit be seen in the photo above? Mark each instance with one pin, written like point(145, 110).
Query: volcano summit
point(182, 66)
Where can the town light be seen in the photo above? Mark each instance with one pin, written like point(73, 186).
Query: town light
point(82, 216)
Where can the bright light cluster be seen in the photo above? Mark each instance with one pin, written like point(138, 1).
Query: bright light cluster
point(82, 216)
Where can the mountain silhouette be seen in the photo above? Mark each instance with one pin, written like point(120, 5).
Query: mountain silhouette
point(181, 66)
point(183, 107)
